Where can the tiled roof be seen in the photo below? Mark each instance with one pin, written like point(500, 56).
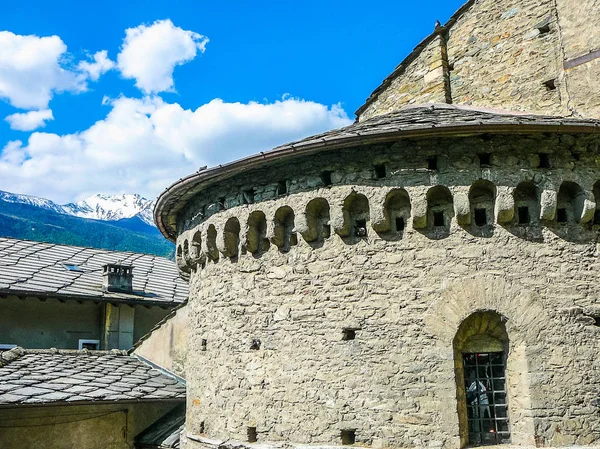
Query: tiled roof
point(30, 268)
point(42, 376)
point(419, 121)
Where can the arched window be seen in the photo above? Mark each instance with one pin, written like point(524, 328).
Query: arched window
point(179, 258)
point(440, 210)
point(397, 211)
point(284, 233)
point(231, 237)
point(356, 215)
point(480, 353)
point(317, 217)
point(570, 203)
point(527, 204)
point(256, 238)
point(211, 243)
point(196, 248)
point(482, 198)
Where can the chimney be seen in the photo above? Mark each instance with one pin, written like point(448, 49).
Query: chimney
point(117, 278)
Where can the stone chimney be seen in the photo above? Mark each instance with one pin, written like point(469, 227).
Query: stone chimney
point(117, 278)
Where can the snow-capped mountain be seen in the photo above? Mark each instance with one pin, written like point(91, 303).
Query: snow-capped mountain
point(112, 207)
point(97, 207)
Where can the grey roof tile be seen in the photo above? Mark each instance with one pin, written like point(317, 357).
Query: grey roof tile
point(49, 376)
point(28, 267)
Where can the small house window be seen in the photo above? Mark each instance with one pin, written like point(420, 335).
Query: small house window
point(92, 345)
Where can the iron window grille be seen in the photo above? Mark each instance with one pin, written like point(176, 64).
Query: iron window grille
point(485, 386)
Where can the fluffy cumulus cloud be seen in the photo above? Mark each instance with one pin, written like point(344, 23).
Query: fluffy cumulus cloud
point(143, 145)
point(150, 53)
point(100, 65)
point(28, 121)
point(31, 71)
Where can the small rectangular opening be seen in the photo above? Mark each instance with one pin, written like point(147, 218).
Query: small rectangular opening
point(282, 188)
point(248, 196)
point(251, 432)
point(92, 345)
point(432, 163)
point(484, 159)
point(201, 428)
point(348, 436)
point(544, 29)
point(438, 218)
point(480, 217)
point(399, 224)
point(360, 228)
point(544, 160)
point(380, 171)
point(561, 215)
point(550, 84)
point(326, 178)
point(348, 334)
point(596, 321)
point(523, 215)
point(221, 203)
point(597, 217)
point(203, 344)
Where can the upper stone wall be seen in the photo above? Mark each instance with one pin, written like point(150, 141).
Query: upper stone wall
point(537, 56)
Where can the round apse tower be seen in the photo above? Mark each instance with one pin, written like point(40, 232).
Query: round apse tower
point(426, 278)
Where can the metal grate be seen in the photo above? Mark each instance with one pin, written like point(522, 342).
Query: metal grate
point(485, 385)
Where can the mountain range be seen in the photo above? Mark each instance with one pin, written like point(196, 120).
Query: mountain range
point(119, 222)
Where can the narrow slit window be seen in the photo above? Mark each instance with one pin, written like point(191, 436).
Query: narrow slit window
point(438, 218)
point(380, 171)
point(221, 203)
point(432, 163)
point(484, 159)
point(400, 224)
point(282, 188)
point(348, 334)
point(480, 217)
point(348, 436)
point(201, 428)
point(248, 196)
point(203, 344)
point(326, 178)
point(561, 215)
point(251, 433)
point(550, 84)
point(360, 228)
point(523, 213)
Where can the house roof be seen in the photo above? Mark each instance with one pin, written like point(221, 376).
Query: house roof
point(38, 269)
point(51, 376)
point(164, 433)
point(420, 121)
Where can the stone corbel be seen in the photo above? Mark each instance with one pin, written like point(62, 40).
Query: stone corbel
point(505, 204)
point(548, 202)
point(379, 219)
point(589, 207)
point(462, 206)
point(419, 208)
point(337, 221)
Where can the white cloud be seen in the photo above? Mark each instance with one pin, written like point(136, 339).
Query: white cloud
point(33, 69)
point(101, 65)
point(150, 53)
point(28, 121)
point(143, 145)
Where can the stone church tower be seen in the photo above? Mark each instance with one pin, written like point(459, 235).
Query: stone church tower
point(426, 277)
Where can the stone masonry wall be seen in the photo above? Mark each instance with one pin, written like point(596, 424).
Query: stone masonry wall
point(422, 82)
point(266, 347)
point(508, 54)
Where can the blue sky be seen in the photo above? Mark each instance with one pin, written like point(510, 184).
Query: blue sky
point(191, 83)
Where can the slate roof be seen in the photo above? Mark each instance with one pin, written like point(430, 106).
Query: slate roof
point(419, 121)
point(50, 376)
point(37, 269)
